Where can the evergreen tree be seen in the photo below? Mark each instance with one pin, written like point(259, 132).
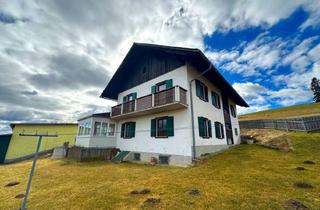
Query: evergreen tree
point(315, 87)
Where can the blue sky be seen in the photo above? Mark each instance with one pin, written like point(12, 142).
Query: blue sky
point(57, 56)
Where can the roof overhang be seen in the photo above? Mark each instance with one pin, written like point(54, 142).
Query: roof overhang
point(190, 55)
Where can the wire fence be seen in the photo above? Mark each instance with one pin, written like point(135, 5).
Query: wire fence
point(311, 123)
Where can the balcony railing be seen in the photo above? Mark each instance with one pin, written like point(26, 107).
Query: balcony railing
point(172, 98)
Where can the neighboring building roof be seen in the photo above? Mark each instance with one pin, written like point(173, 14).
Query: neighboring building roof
point(12, 125)
point(192, 55)
point(104, 115)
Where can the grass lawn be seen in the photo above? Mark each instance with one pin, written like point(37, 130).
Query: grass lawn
point(290, 111)
point(245, 177)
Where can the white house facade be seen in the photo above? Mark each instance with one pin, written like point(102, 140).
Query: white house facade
point(173, 106)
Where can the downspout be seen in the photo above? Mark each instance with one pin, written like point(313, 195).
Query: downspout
point(192, 113)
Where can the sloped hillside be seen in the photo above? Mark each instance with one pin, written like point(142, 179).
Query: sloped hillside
point(285, 112)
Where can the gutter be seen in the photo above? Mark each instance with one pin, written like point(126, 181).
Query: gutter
point(192, 113)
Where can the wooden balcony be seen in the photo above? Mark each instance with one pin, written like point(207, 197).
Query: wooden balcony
point(170, 99)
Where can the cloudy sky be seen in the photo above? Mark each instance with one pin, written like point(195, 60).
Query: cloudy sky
point(57, 56)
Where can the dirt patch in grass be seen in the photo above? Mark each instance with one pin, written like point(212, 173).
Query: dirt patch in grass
point(152, 200)
point(11, 184)
point(274, 139)
point(19, 196)
point(303, 185)
point(193, 192)
point(294, 205)
point(299, 168)
point(310, 162)
point(142, 192)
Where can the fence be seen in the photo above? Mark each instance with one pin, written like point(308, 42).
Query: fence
point(311, 123)
point(82, 154)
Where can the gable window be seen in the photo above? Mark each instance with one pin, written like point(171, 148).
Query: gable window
point(128, 130)
point(233, 111)
point(205, 129)
point(215, 99)
point(219, 130)
point(201, 91)
point(161, 86)
point(162, 127)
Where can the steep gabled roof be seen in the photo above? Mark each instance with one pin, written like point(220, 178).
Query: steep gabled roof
point(191, 55)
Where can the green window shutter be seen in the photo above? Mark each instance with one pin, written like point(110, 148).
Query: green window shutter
point(153, 127)
point(210, 128)
point(134, 95)
point(217, 129)
point(170, 126)
point(222, 130)
point(153, 89)
point(198, 88)
point(206, 93)
point(169, 83)
point(213, 98)
point(124, 99)
point(132, 129)
point(201, 126)
point(122, 130)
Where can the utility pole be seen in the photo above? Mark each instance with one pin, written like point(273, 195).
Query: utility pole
point(24, 202)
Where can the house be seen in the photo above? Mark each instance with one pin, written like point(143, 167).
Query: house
point(173, 106)
point(23, 147)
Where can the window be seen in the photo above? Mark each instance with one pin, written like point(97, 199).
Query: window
point(111, 129)
point(136, 156)
point(205, 130)
point(97, 128)
point(219, 130)
point(163, 159)
point(128, 130)
point(201, 91)
point(215, 99)
point(129, 97)
point(87, 128)
point(233, 111)
point(161, 86)
point(236, 131)
point(104, 127)
point(162, 127)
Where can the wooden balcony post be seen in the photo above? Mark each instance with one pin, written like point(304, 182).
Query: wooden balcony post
point(177, 93)
point(135, 105)
point(152, 100)
point(121, 111)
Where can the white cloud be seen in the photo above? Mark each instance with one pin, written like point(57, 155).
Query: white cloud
point(97, 35)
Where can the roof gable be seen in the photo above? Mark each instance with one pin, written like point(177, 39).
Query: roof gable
point(158, 60)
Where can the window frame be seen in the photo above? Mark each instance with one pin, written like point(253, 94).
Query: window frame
point(164, 127)
point(236, 131)
point(203, 91)
point(233, 111)
point(127, 130)
point(220, 129)
point(216, 97)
